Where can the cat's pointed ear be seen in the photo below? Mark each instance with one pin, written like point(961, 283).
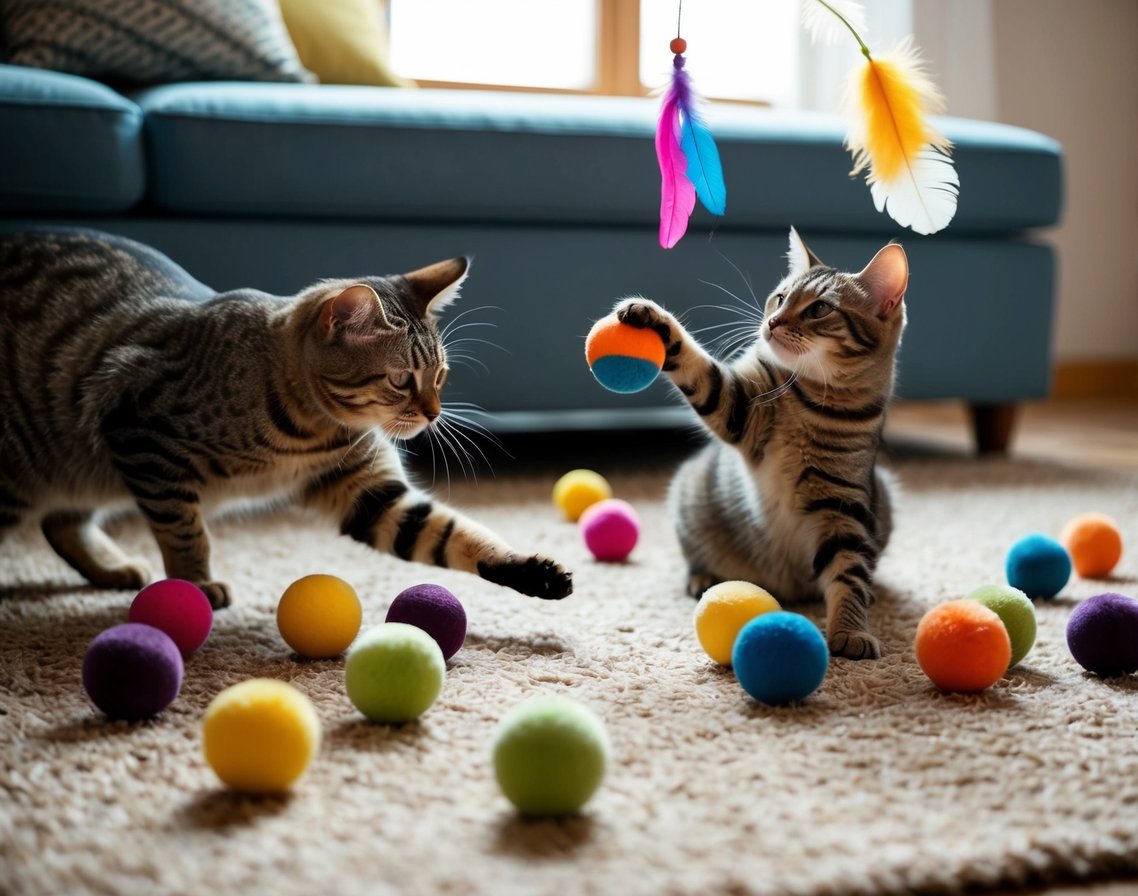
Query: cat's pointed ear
point(437, 285)
point(356, 311)
point(887, 278)
point(800, 257)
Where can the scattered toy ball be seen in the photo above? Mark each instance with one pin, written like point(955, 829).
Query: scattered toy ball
point(132, 671)
point(722, 612)
point(780, 657)
point(1017, 613)
point(550, 755)
point(1094, 542)
point(611, 530)
point(177, 607)
point(394, 672)
point(1038, 566)
point(578, 490)
point(319, 616)
point(436, 611)
point(260, 736)
point(1102, 634)
point(623, 358)
point(963, 646)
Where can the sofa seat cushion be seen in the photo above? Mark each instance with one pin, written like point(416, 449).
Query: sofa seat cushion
point(343, 151)
point(69, 144)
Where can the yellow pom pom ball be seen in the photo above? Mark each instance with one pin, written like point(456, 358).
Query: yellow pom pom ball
point(1094, 542)
point(578, 490)
point(260, 735)
point(319, 616)
point(722, 612)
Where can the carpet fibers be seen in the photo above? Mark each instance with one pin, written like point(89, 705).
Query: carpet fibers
point(877, 783)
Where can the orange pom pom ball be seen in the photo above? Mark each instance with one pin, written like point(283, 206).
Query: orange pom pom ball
point(1094, 542)
point(623, 358)
point(963, 646)
point(678, 45)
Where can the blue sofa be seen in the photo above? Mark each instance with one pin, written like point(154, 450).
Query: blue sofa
point(556, 198)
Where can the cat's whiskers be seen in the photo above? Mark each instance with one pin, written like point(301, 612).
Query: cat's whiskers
point(452, 326)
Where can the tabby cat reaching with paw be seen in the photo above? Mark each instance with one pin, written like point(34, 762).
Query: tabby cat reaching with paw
point(788, 496)
point(124, 380)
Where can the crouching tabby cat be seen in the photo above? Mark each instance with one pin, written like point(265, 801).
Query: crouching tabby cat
point(788, 496)
point(124, 380)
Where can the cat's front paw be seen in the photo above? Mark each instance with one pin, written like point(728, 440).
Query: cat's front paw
point(217, 592)
point(535, 576)
point(854, 645)
point(644, 314)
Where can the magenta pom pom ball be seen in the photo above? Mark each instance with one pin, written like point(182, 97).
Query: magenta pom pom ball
point(436, 611)
point(132, 671)
point(178, 608)
point(1102, 634)
point(611, 529)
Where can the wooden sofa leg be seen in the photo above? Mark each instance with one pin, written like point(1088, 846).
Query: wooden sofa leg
point(992, 426)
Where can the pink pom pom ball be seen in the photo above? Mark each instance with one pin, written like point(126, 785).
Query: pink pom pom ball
point(176, 607)
point(611, 529)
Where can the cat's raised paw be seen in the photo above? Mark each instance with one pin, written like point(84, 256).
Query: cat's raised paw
point(217, 592)
point(535, 576)
point(129, 576)
point(854, 645)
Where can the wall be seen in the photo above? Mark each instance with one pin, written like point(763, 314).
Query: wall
point(1069, 70)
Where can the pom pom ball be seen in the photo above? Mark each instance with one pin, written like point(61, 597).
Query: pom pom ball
point(1038, 566)
point(623, 358)
point(963, 646)
point(436, 611)
point(1094, 542)
point(1016, 612)
point(259, 736)
point(178, 608)
point(780, 657)
point(611, 529)
point(722, 612)
point(394, 672)
point(319, 616)
point(550, 755)
point(578, 490)
point(132, 671)
point(1102, 634)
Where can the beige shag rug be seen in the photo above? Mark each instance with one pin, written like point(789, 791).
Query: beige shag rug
point(878, 783)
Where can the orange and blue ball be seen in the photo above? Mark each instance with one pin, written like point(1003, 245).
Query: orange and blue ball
point(623, 358)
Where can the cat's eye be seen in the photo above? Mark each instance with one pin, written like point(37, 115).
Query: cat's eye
point(779, 298)
point(399, 378)
point(440, 377)
point(818, 310)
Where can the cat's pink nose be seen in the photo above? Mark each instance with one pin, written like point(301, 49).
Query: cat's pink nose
point(774, 322)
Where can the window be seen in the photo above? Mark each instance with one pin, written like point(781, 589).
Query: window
point(737, 49)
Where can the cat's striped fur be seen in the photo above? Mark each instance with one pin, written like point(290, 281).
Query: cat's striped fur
point(125, 381)
point(788, 495)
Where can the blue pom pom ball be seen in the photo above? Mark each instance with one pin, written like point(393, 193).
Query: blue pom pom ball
point(780, 657)
point(1038, 566)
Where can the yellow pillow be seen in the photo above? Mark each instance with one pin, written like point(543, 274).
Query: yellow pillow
point(342, 41)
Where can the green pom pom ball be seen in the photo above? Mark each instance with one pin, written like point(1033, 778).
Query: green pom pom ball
point(394, 672)
point(550, 754)
point(1016, 612)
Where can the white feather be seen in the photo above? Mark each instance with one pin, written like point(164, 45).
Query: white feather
point(923, 196)
point(818, 17)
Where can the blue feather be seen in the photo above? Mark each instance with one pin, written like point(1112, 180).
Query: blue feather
point(704, 169)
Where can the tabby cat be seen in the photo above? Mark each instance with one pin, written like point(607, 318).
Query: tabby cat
point(788, 496)
point(123, 380)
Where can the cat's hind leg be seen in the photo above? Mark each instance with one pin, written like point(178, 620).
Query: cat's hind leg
point(91, 552)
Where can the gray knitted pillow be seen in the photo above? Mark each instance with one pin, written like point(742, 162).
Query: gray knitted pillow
point(136, 42)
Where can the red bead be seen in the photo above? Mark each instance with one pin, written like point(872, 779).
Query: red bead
point(678, 45)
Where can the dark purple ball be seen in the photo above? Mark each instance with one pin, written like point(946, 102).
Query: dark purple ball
point(1102, 634)
point(436, 611)
point(132, 671)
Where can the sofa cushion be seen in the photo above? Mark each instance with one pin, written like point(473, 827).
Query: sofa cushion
point(342, 151)
point(69, 144)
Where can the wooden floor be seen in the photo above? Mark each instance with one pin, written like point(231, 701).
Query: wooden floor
point(1086, 432)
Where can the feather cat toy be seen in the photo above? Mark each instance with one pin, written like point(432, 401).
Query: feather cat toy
point(689, 158)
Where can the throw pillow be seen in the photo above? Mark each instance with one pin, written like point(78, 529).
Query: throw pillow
point(343, 42)
point(138, 42)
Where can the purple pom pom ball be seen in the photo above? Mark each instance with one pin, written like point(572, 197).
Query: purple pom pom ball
point(1102, 634)
point(132, 671)
point(436, 611)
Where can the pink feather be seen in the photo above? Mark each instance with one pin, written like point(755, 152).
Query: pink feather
point(677, 193)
